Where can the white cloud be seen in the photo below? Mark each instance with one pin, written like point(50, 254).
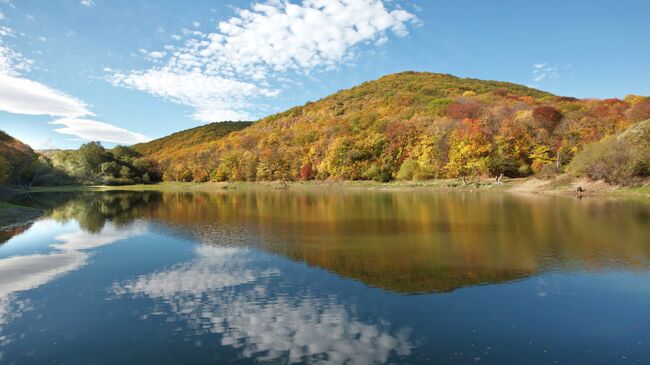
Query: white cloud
point(92, 130)
point(22, 96)
point(2, 16)
point(213, 97)
point(543, 71)
point(196, 24)
point(87, 2)
point(157, 54)
point(261, 43)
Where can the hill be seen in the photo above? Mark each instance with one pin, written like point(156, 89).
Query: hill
point(411, 125)
point(16, 160)
point(188, 138)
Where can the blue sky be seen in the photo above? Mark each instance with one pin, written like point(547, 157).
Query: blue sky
point(123, 71)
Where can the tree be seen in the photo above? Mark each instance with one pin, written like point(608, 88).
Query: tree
point(469, 150)
point(464, 110)
point(125, 172)
point(547, 117)
point(639, 111)
point(306, 171)
point(5, 171)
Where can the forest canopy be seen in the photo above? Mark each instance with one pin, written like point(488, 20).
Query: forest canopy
point(407, 126)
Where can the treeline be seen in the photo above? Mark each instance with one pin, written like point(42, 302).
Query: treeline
point(91, 164)
point(412, 126)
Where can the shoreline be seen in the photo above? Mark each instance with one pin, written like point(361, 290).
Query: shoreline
point(557, 186)
point(14, 216)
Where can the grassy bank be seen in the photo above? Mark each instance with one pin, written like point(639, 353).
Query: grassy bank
point(561, 185)
point(12, 216)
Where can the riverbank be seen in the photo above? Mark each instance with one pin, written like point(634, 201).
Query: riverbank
point(562, 186)
point(14, 216)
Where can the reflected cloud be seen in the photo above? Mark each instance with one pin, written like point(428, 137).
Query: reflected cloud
point(28, 272)
point(83, 240)
point(23, 273)
point(221, 293)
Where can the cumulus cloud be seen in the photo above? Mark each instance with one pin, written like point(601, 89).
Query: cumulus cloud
point(213, 97)
point(92, 130)
point(87, 2)
point(260, 43)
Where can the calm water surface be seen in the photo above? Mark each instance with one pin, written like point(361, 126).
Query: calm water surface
point(326, 277)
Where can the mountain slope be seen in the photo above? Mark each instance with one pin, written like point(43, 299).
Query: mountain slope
point(16, 160)
point(411, 125)
point(189, 137)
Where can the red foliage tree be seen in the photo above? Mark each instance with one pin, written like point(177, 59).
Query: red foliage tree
point(466, 110)
point(639, 111)
point(547, 117)
point(306, 172)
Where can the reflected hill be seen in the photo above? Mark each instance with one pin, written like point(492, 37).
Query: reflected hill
point(407, 242)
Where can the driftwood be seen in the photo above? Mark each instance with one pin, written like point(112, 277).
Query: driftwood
point(498, 179)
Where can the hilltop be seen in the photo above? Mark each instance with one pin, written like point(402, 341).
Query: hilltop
point(406, 126)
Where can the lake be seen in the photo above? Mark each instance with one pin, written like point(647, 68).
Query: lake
point(336, 277)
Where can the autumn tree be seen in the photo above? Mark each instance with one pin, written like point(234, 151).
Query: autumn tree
point(547, 117)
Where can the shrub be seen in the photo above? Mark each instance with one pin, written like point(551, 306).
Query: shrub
point(116, 181)
point(611, 160)
point(408, 170)
point(375, 173)
point(439, 106)
point(549, 171)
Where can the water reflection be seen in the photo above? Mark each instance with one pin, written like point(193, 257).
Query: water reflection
point(69, 252)
point(228, 276)
point(406, 242)
point(220, 292)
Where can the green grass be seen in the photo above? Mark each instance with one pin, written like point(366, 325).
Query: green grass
point(559, 186)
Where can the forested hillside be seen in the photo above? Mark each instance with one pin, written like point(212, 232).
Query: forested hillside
point(16, 160)
point(408, 126)
point(405, 126)
point(189, 138)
